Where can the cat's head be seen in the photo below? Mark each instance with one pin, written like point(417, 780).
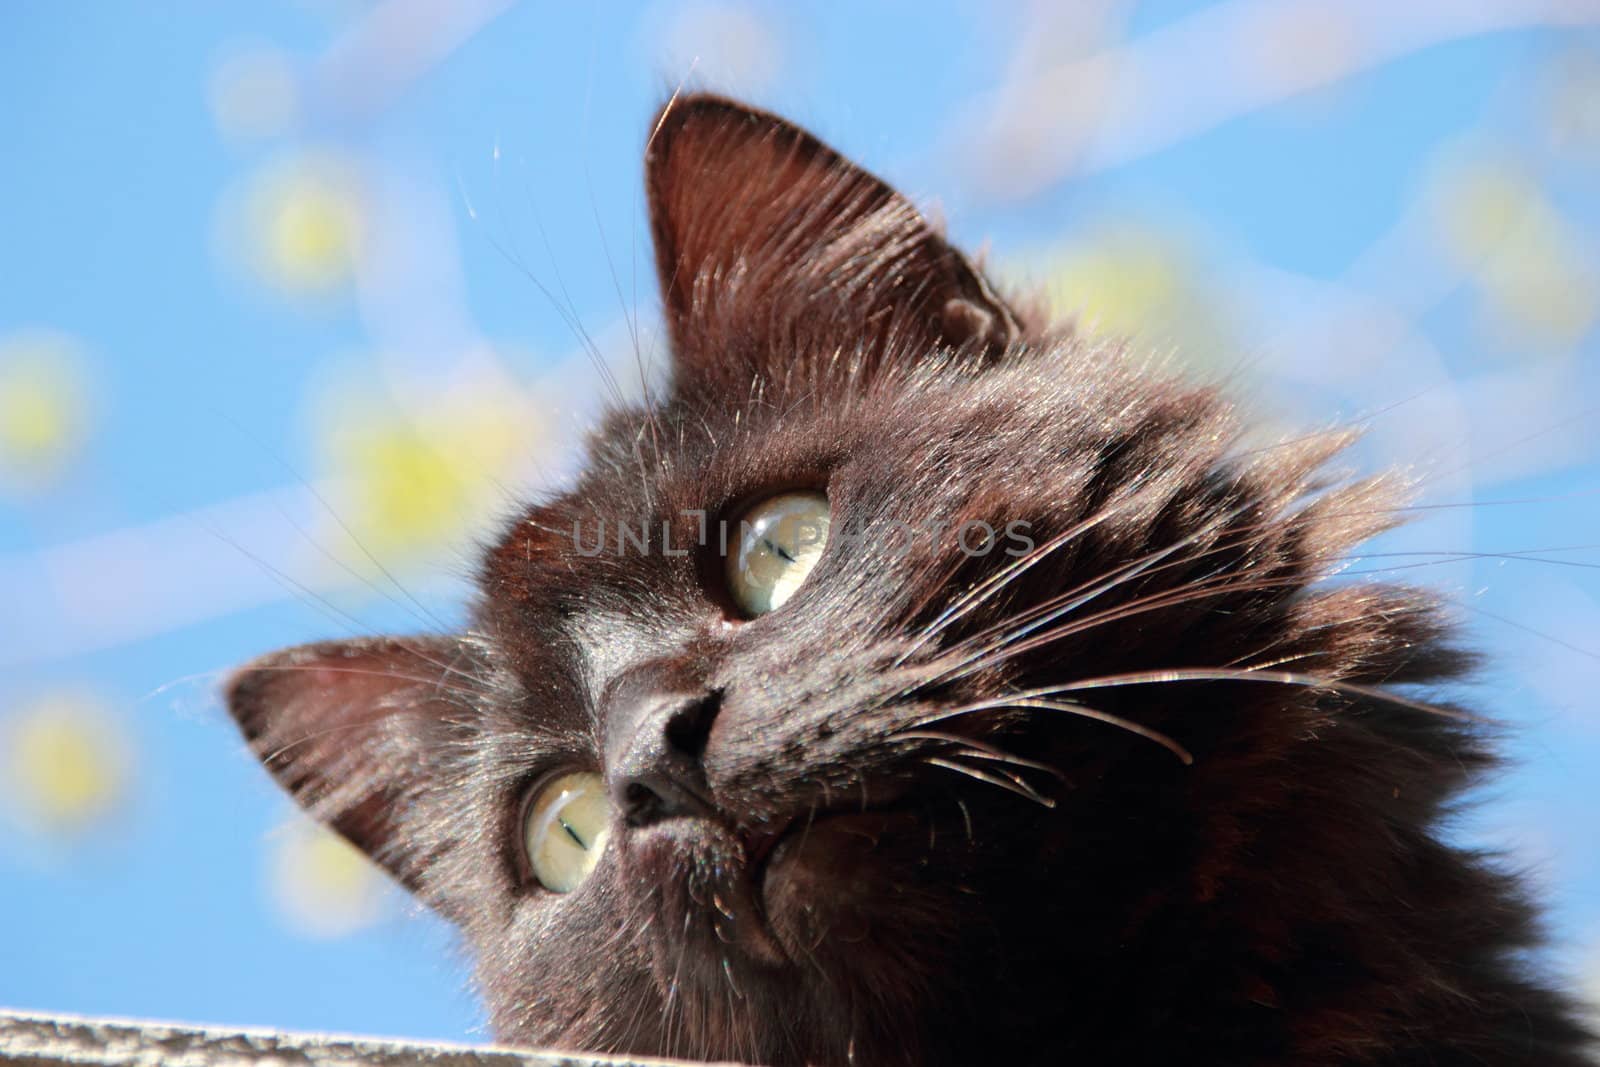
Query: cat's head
point(904, 674)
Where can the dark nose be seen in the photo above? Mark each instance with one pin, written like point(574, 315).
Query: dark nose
point(654, 755)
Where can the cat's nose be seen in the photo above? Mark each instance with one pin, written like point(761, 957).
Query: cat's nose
point(653, 760)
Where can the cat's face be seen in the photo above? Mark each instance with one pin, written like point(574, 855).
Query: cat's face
point(903, 785)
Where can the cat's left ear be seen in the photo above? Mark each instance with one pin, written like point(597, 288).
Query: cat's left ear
point(773, 250)
point(353, 731)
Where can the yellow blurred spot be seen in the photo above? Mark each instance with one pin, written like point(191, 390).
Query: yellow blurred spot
point(419, 478)
point(309, 234)
point(66, 763)
point(253, 92)
point(410, 493)
point(44, 406)
point(1483, 205)
point(1137, 284)
point(298, 226)
point(1538, 284)
point(322, 885)
point(1117, 286)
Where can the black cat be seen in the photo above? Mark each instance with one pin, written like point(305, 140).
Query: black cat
point(914, 683)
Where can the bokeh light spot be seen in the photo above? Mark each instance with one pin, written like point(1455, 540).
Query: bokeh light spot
point(67, 763)
point(44, 406)
point(321, 885)
point(298, 226)
point(410, 493)
point(1116, 287)
point(1537, 284)
point(1138, 284)
point(420, 475)
point(310, 234)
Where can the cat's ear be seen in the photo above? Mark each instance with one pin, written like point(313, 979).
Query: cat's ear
point(352, 729)
point(773, 250)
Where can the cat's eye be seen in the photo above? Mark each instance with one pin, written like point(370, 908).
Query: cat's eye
point(565, 829)
point(779, 541)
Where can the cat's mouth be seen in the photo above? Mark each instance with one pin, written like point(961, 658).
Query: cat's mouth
point(771, 889)
point(705, 877)
point(817, 876)
point(760, 841)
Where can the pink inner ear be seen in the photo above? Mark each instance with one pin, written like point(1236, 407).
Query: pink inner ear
point(773, 251)
point(349, 729)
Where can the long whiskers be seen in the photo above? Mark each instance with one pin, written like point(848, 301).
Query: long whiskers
point(1009, 782)
point(979, 750)
point(1039, 699)
point(1070, 600)
point(1301, 679)
point(976, 596)
point(1018, 642)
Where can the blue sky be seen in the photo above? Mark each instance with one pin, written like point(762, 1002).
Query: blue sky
point(234, 232)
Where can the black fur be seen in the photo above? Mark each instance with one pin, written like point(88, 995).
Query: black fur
point(1152, 792)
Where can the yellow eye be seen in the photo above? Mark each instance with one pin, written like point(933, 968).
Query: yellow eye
point(566, 828)
point(779, 541)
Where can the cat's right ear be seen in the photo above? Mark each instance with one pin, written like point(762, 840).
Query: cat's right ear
point(352, 730)
point(779, 259)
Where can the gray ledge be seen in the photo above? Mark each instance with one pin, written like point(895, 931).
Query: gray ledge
point(53, 1039)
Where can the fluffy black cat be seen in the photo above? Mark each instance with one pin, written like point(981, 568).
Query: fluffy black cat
point(915, 683)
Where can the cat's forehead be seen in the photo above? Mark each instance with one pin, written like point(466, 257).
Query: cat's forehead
point(775, 433)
